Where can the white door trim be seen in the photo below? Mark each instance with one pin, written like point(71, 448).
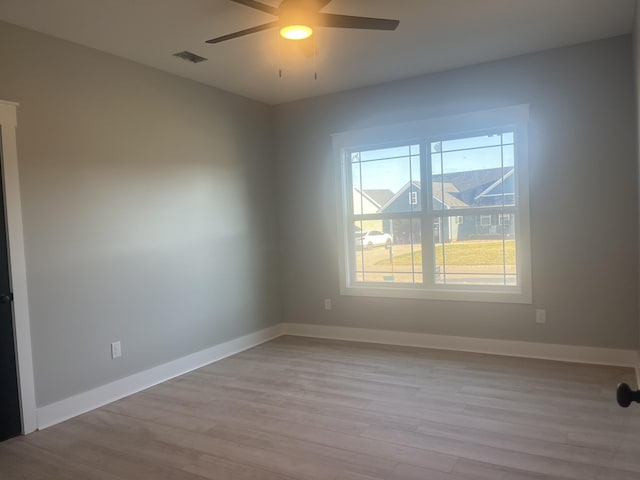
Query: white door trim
point(17, 266)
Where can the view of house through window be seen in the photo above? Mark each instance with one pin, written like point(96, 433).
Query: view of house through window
point(437, 213)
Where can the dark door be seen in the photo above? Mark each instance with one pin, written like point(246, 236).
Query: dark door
point(10, 424)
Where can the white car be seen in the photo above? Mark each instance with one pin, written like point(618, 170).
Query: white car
point(373, 238)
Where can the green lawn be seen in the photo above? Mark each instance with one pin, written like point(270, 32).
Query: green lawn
point(484, 252)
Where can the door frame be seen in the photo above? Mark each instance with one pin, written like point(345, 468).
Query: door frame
point(17, 266)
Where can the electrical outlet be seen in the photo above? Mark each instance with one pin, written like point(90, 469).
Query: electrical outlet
point(541, 316)
point(327, 304)
point(116, 350)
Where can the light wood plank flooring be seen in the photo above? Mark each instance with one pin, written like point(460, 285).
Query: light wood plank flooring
point(308, 409)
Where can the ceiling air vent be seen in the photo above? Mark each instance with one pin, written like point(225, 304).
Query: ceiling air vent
point(190, 57)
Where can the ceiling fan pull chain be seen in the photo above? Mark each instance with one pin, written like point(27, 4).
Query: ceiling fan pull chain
point(279, 43)
point(315, 56)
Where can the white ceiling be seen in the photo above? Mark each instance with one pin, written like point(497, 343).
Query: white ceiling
point(433, 35)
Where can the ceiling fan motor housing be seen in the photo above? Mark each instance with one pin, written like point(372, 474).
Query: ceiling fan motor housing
point(297, 14)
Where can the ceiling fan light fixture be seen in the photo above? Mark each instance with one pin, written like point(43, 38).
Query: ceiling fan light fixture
point(296, 19)
point(296, 32)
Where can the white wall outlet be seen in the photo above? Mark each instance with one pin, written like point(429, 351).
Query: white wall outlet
point(327, 304)
point(116, 350)
point(541, 315)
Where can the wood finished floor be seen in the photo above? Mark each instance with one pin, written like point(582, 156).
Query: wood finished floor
point(309, 409)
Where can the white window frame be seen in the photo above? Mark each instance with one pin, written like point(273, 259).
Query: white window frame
point(482, 220)
point(515, 118)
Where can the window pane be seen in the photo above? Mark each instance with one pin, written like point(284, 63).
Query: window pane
point(386, 180)
point(471, 142)
point(481, 250)
point(394, 256)
point(382, 153)
point(508, 155)
point(472, 172)
point(358, 200)
point(507, 137)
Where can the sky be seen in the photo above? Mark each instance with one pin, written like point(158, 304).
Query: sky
point(392, 168)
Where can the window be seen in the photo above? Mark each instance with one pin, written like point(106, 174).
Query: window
point(505, 219)
point(463, 234)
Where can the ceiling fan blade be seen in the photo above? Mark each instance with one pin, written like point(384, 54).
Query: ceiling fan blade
point(366, 23)
point(257, 6)
point(320, 4)
point(315, 5)
point(242, 33)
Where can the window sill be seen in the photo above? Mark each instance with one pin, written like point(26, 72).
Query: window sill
point(461, 294)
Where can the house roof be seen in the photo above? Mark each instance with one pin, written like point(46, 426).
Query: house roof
point(458, 189)
point(470, 184)
point(471, 179)
point(495, 184)
point(449, 198)
point(380, 196)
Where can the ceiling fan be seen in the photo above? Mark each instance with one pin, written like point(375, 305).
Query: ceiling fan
point(298, 18)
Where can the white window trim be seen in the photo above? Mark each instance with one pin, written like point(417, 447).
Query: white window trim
point(411, 132)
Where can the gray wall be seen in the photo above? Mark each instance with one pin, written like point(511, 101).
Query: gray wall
point(148, 212)
point(584, 213)
point(152, 215)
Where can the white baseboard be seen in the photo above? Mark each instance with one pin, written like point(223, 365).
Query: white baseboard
point(546, 351)
point(70, 407)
